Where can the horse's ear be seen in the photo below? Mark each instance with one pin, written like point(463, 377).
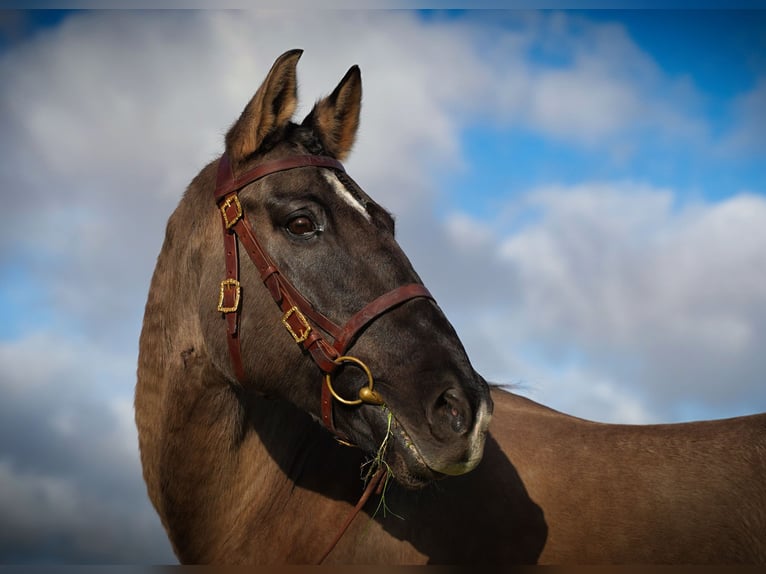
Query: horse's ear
point(270, 109)
point(335, 118)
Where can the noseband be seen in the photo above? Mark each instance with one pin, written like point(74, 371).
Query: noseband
point(302, 321)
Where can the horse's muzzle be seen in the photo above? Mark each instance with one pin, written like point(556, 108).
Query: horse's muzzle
point(451, 444)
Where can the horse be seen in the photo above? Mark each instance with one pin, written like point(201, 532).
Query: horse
point(301, 397)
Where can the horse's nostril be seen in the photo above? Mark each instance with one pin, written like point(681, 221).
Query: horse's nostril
point(451, 414)
point(458, 422)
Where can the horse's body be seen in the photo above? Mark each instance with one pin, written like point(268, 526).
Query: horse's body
point(238, 477)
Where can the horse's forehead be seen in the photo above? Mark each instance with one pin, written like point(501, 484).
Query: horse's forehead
point(343, 192)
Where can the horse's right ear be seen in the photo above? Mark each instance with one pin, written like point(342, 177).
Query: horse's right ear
point(270, 109)
point(335, 119)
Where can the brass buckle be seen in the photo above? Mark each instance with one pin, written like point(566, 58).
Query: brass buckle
point(231, 200)
point(232, 283)
point(303, 334)
point(366, 394)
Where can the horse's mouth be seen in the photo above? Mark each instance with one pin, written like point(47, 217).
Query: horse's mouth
point(405, 460)
point(407, 463)
point(412, 456)
point(390, 447)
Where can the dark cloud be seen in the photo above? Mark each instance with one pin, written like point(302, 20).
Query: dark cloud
point(70, 480)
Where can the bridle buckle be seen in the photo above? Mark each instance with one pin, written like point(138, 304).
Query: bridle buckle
point(300, 330)
point(231, 201)
point(226, 285)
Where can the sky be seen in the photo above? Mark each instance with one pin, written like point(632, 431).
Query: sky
point(584, 192)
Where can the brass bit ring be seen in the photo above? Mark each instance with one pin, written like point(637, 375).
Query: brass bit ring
point(366, 394)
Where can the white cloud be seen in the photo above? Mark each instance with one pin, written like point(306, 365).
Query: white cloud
point(665, 300)
point(586, 83)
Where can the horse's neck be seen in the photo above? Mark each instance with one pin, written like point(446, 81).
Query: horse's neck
point(266, 483)
point(233, 477)
point(170, 348)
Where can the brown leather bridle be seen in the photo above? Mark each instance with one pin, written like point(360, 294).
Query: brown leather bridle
point(300, 318)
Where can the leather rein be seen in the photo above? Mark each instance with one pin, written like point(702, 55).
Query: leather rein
point(308, 327)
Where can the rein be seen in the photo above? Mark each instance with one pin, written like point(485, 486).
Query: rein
point(376, 484)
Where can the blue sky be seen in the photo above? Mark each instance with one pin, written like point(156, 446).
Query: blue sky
point(717, 56)
point(591, 185)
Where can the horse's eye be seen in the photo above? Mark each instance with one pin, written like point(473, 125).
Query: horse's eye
point(302, 226)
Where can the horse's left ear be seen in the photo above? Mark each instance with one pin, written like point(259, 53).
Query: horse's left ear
point(269, 110)
point(335, 119)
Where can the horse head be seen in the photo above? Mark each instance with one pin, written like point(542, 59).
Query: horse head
point(353, 326)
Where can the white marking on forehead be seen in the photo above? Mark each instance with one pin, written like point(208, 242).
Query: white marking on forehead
point(344, 193)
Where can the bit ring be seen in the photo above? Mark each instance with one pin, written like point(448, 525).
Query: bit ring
point(366, 394)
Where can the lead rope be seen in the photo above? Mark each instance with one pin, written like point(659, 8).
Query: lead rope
point(376, 484)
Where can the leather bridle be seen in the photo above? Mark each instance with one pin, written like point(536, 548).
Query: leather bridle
point(307, 326)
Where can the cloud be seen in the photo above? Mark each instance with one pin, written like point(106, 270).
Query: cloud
point(748, 132)
point(616, 281)
point(68, 458)
point(583, 83)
